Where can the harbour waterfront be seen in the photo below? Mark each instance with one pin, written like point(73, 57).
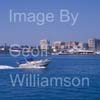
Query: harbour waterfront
point(71, 66)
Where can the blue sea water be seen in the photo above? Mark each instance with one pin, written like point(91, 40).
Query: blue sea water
point(60, 66)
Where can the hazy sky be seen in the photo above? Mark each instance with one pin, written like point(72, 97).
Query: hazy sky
point(87, 25)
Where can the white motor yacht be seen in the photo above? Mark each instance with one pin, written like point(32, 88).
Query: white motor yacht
point(30, 63)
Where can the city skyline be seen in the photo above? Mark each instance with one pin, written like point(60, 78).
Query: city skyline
point(49, 41)
point(57, 47)
point(87, 25)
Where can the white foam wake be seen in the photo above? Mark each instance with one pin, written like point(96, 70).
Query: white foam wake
point(29, 67)
point(6, 67)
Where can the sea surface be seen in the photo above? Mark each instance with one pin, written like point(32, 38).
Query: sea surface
point(62, 66)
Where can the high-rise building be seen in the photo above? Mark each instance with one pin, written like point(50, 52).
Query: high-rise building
point(44, 44)
point(94, 44)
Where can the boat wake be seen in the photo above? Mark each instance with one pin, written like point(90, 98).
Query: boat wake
point(10, 67)
point(6, 67)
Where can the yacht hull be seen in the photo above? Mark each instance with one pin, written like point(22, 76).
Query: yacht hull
point(35, 64)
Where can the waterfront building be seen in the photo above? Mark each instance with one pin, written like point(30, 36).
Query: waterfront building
point(44, 44)
point(94, 44)
point(58, 46)
point(83, 46)
point(71, 44)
